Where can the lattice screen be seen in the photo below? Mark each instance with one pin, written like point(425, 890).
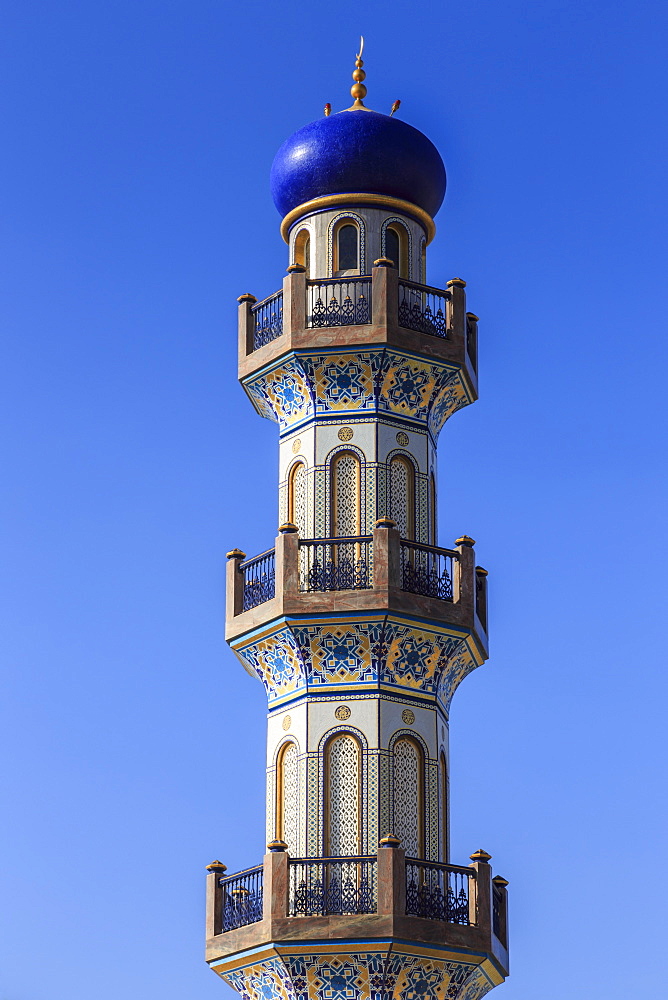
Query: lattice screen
point(343, 796)
point(408, 781)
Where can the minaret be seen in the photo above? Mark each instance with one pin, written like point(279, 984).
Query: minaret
point(359, 626)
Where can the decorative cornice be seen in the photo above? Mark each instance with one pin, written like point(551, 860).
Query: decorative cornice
point(353, 199)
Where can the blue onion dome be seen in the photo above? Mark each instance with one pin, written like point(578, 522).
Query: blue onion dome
point(358, 151)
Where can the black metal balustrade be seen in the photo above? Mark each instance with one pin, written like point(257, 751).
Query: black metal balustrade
point(259, 579)
point(335, 563)
point(438, 892)
point(427, 570)
point(321, 886)
point(242, 898)
point(423, 308)
point(268, 319)
point(338, 302)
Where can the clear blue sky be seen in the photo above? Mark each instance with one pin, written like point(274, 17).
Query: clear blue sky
point(137, 142)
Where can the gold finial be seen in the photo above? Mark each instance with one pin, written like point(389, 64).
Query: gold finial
point(328, 110)
point(358, 90)
point(395, 107)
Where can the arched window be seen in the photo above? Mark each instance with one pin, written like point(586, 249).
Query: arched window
point(347, 249)
point(423, 261)
point(443, 808)
point(297, 497)
point(303, 249)
point(402, 495)
point(409, 796)
point(432, 509)
point(287, 797)
point(345, 495)
point(342, 785)
point(396, 248)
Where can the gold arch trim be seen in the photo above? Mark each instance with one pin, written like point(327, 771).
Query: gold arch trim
point(332, 200)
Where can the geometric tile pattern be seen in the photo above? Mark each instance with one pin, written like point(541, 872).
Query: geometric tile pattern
point(420, 657)
point(383, 974)
point(268, 980)
point(378, 380)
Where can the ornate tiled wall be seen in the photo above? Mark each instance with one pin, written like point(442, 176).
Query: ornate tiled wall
point(325, 974)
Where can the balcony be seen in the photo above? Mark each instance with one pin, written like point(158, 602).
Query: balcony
point(366, 309)
point(285, 899)
point(366, 572)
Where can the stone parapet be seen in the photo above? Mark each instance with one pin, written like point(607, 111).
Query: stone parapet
point(478, 941)
point(455, 347)
point(385, 595)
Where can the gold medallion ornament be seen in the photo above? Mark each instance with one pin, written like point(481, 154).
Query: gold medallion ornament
point(296, 445)
point(402, 439)
point(408, 716)
point(342, 713)
point(287, 722)
point(345, 434)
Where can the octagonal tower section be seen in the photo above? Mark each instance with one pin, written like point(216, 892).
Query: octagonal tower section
point(358, 624)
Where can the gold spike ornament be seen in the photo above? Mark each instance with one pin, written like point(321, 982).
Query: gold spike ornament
point(328, 110)
point(395, 107)
point(358, 90)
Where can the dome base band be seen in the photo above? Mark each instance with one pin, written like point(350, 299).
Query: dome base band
point(332, 200)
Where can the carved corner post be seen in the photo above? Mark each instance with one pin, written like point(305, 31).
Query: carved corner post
point(386, 555)
point(234, 584)
point(246, 324)
point(384, 293)
point(287, 561)
point(480, 901)
point(214, 898)
point(275, 881)
point(472, 340)
point(465, 574)
point(294, 299)
point(501, 893)
point(391, 877)
point(456, 311)
point(481, 596)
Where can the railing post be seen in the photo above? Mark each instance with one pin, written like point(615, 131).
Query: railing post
point(472, 340)
point(234, 583)
point(481, 595)
point(246, 324)
point(384, 293)
point(500, 884)
point(464, 589)
point(275, 881)
point(386, 555)
point(391, 877)
point(286, 560)
point(480, 901)
point(214, 898)
point(456, 310)
point(294, 299)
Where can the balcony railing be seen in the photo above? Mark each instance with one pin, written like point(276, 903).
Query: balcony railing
point(321, 886)
point(268, 320)
point(427, 570)
point(472, 340)
point(481, 596)
point(438, 892)
point(259, 579)
point(242, 898)
point(338, 302)
point(423, 308)
point(335, 563)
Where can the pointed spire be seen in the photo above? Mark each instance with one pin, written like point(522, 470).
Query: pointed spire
point(358, 90)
